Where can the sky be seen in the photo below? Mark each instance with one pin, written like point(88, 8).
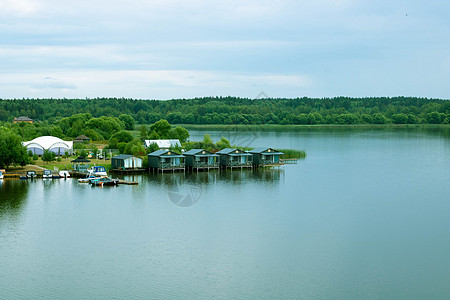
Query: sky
point(165, 49)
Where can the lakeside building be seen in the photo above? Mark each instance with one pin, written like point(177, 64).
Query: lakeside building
point(125, 161)
point(197, 159)
point(235, 158)
point(165, 160)
point(51, 143)
point(266, 157)
point(80, 164)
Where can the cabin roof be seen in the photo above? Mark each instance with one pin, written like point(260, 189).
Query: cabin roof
point(198, 152)
point(122, 156)
point(260, 150)
point(163, 152)
point(232, 152)
point(80, 159)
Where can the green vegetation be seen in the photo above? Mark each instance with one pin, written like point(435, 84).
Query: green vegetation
point(290, 153)
point(11, 150)
point(228, 110)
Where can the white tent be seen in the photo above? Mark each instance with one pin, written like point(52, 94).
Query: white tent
point(163, 144)
point(51, 143)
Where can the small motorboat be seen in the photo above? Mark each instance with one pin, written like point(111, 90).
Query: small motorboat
point(98, 171)
point(104, 181)
point(88, 179)
point(64, 174)
point(47, 174)
point(31, 174)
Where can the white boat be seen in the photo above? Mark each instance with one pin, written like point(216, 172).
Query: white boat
point(87, 179)
point(47, 174)
point(1, 175)
point(98, 171)
point(64, 174)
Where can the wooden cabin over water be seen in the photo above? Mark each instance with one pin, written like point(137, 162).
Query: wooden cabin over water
point(266, 157)
point(165, 160)
point(126, 162)
point(201, 159)
point(235, 158)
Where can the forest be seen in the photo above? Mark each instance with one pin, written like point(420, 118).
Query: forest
point(233, 110)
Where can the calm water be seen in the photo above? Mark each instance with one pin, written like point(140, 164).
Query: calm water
point(365, 216)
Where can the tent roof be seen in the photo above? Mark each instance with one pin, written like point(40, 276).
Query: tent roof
point(49, 142)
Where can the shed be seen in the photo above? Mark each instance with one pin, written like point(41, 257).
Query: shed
point(233, 157)
point(201, 159)
point(266, 156)
point(124, 161)
point(165, 160)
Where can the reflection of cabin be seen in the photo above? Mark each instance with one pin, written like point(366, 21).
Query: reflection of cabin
point(81, 139)
point(231, 158)
point(266, 157)
point(165, 160)
point(80, 164)
point(201, 159)
point(124, 161)
point(23, 119)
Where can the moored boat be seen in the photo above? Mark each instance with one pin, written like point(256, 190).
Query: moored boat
point(104, 181)
point(47, 174)
point(64, 174)
point(31, 174)
point(88, 179)
point(98, 171)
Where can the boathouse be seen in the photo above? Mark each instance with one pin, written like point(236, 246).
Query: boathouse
point(266, 157)
point(80, 164)
point(124, 161)
point(197, 159)
point(165, 160)
point(234, 158)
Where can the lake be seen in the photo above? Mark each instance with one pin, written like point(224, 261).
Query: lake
point(365, 216)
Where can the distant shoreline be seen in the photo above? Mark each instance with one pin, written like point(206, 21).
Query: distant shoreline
point(318, 126)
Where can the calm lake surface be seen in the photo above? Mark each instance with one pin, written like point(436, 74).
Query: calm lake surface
point(365, 216)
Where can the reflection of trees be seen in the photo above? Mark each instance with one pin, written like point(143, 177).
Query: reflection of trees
point(13, 195)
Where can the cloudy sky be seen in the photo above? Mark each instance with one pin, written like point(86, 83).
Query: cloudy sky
point(163, 49)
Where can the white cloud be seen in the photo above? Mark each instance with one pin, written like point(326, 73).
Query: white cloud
point(20, 8)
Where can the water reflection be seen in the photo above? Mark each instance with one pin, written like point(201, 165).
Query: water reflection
point(13, 196)
point(186, 189)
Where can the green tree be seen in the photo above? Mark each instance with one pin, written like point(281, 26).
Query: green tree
point(162, 128)
point(128, 121)
point(48, 156)
point(11, 150)
point(179, 133)
point(122, 136)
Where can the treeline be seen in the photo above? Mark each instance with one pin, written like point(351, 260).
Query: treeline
point(232, 110)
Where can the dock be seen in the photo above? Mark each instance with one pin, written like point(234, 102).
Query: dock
point(128, 182)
